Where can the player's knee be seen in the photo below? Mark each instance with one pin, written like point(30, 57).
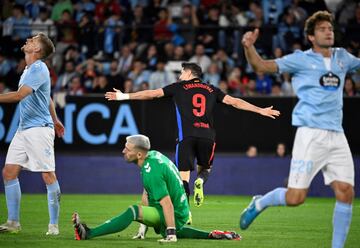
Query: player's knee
point(49, 177)
point(295, 198)
point(345, 193)
point(8, 173)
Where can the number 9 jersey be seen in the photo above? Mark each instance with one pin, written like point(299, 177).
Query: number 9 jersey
point(194, 103)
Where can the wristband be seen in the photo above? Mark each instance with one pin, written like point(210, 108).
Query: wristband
point(170, 231)
point(121, 96)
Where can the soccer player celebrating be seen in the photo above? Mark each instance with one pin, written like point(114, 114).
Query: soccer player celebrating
point(320, 143)
point(167, 210)
point(195, 103)
point(32, 147)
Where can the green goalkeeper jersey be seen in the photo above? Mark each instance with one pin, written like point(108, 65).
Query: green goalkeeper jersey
point(161, 178)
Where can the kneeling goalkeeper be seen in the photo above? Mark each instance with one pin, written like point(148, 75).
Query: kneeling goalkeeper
point(168, 209)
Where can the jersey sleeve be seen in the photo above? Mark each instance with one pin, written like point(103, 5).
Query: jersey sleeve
point(290, 63)
point(353, 62)
point(219, 94)
point(34, 78)
point(170, 90)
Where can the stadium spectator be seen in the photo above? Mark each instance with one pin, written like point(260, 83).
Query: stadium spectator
point(5, 65)
point(32, 147)
point(322, 101)
point(14, 75)
point(140, 31)
point(237, 81)
point(128, 86)
point(65, 77)
point(212, 76)
point(224, 87)
point(168, 52)
point(163, 206)
point(105, 8)
point(188, 23)
point(114, 77)
point(125, 60)
point(83, 7)
point(32, 8)
point(138, 74)
point(89, 70)
point(195, 103)
point(59, 8)
point(273, 10)
point(201, 58)
point(349, 87)
point(3, 88)
point(286, 86)
point(225, 63)
point(162, 34)
point(16, 29)
point(101, 85)
point(42, 23)
point(161, 77)
point(151, 58)
point(112, 34)
point(250, 89)
point(288, 33)
point(231, 19)
point(179, 54)
point(251, 152)
point(276, 90)
point(263, 83)
point(75, 87)
point(281, 150)
point(209, 31)
point(87, 36)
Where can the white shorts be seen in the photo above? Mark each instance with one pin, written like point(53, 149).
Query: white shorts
point(315, 150)
point(33, 149)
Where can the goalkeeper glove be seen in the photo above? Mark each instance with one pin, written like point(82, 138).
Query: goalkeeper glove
point(141, 232)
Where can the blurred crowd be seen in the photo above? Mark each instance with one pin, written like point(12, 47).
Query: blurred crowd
point(139, 44)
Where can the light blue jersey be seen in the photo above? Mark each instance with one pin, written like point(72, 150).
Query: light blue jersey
point(34, 108)
point(320, 91)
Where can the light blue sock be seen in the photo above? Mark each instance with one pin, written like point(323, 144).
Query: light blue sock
point(53, 192)
point(341, 223)
point(272, 198)
point(13, 197)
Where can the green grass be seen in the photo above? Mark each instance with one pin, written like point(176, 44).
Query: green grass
point(309, 225)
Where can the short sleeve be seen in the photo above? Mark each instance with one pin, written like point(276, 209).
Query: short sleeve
point(219, 94)
point(290, 63)
point(352, 62)
point(34, 78)
point(170, 89)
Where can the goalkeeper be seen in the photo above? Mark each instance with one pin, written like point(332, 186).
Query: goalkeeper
point(168, 209)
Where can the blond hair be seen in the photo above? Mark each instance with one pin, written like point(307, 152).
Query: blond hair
point(47, 46)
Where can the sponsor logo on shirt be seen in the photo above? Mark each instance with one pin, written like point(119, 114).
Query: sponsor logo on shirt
point(330, 81)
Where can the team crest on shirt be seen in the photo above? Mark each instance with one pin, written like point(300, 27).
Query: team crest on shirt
point(147, 167)
point(330, 81)
point(340, 64)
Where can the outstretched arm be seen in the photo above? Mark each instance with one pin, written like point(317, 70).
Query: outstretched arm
point(259, 64)
point(16, 96)
point(244, 105)
point(140, 95)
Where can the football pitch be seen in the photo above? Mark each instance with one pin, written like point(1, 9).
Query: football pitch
point(309, 225)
